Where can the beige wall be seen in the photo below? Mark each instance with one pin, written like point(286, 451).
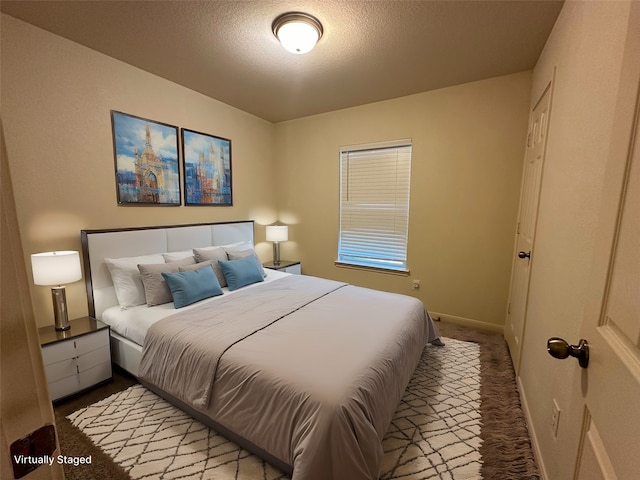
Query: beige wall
point(468, 150)
point(585, 48)
point(56, 102)
point(468, 144)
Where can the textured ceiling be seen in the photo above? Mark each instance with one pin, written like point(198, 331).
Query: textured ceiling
point(370, 50)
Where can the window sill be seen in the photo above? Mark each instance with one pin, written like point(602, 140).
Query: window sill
point(402, 273)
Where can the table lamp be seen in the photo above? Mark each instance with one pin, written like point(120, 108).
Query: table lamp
point(277, 234)
point(57, 268)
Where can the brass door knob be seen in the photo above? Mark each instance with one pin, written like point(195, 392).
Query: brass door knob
point(559, 348)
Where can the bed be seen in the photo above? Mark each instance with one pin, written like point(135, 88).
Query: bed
point(304, 372)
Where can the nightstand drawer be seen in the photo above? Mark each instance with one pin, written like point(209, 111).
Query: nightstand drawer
point(74, 347)
point(64, 387)
point(79, 381)
point(58, 352)
point(75, 365)
point(95, 374)
point(92, 341)
point(75, 359)
point(91, 359)
point(59, 370)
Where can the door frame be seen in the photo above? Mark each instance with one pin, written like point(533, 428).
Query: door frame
point(516, 356)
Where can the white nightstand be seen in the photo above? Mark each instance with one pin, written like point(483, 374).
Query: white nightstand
point(288, 266)
point(75, 359)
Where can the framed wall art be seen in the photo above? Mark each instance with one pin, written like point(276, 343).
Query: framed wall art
point(146, 161)
point(207, 169)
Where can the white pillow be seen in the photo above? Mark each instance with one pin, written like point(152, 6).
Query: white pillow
point(173, 256)
point(234, 247)
point(126, 278)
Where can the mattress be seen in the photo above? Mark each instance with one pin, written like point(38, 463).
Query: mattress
point(308, 370)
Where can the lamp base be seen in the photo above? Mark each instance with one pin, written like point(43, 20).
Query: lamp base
point(60, 308)
point(276, 253)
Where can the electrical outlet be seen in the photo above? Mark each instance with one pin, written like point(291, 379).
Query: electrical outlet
point(555, 418)
point(415, 284)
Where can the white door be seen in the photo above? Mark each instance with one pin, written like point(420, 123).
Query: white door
point(610, 437)
point(525, 230)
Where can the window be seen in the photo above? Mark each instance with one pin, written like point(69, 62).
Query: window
point(374, 205)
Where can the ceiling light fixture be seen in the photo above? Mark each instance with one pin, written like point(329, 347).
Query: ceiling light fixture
point(298, 32)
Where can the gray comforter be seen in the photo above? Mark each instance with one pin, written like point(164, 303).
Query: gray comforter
point(308, 370)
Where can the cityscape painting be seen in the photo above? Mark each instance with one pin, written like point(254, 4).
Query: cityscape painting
point(146, 161)
point(207, 169)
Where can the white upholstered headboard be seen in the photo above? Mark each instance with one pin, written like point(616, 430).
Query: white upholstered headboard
point(130, 242)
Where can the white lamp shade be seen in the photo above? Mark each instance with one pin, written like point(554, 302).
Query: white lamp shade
point(277, 233)
point(56, 268)
point(298, 37)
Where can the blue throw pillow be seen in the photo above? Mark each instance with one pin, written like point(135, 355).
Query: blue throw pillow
point(192, 286)
point(241, 272)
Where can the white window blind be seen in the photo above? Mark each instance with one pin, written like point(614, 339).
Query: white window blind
point(374, 205)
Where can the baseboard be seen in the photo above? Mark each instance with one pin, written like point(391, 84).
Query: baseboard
point(532, 433)
point(467, 322)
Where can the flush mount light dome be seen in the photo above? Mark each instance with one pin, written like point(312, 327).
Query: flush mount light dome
point(298, 32)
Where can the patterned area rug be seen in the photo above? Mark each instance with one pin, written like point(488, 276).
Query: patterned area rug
point(434, 433)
